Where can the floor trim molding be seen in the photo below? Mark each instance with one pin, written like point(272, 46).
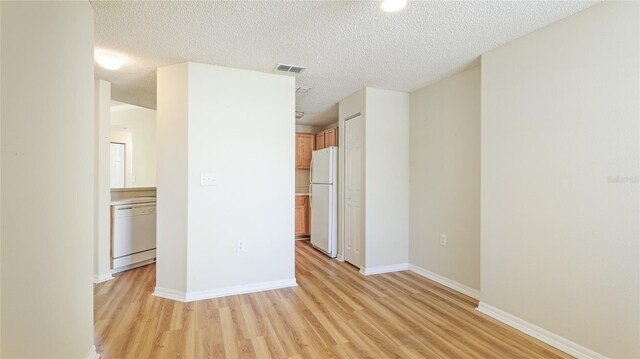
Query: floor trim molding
point(224, 292)
point(170, 294)
point(99, 278)
point(241, 289)
point(92, 353)
point(384, 269)
point(535, 331)
point(458, 287)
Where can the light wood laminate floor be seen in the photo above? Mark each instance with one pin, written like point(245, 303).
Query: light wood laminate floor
point(334, 313)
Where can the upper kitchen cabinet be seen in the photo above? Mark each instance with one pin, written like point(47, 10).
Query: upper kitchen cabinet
point(320, 140)
point(327, 138)
point(331, 137)
point(304, 147)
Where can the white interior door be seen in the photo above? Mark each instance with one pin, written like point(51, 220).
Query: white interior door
point(117, 170)
point(353, 192)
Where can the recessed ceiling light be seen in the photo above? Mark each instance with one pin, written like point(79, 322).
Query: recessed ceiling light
point(109, 61)
point(302, 89)
point(299, 115)
point(393, 5)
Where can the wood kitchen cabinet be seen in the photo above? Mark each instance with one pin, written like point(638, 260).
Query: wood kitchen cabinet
point(331, 137)
point(303, 216)
point(320, 140)
point(327, 138)
point(304, 147)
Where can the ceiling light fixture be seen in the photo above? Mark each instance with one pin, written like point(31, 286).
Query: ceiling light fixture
point(109, 61)
point(393, 5)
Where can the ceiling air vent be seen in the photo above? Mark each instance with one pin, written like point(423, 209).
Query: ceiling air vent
point(299, 115)
point(289, 68)
point(302, 89)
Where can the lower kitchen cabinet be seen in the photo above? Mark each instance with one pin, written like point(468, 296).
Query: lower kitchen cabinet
point(303, 216)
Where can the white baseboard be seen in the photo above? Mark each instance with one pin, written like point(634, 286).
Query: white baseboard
point(170, 294)
point(340, 257)
point(384, 269)
point(242, 289)
point(92, 353)
point(99, 278)
point(544, 335)
point(224, 292)
point(459, 287)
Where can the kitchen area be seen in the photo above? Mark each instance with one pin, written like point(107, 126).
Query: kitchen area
point(316, 187)
point(132, 241)
point(133, 187)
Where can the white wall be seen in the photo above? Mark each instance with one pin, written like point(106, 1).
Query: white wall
point(172, 178)
point(331, 125)
point(385, 119)
point(102, 228)
point(560, 124)
point(240, 128)
point(307, 128)
point(445, 178)
point(47, 179)
point(0, 181)
point(141, 152)
point(387, 177)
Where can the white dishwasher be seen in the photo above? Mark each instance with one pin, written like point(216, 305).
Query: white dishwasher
point(133, 235)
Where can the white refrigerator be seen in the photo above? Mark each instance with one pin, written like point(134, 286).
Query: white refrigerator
point(324, 200)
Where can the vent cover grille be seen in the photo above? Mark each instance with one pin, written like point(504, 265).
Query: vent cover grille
point(289, 68)
point(302, 89)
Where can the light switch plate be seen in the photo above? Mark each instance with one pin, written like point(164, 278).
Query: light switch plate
point(209, 179)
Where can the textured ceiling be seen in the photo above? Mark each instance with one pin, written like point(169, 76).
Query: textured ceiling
point(345, 45)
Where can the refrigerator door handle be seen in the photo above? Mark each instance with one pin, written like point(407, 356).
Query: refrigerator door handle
point(310, 195)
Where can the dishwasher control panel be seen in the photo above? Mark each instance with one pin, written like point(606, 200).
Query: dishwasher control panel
point(134, 210)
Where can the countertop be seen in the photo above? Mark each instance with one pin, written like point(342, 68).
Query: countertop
point(302, 194)
point(133, 200)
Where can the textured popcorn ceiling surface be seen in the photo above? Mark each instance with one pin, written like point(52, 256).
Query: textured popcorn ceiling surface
point(346, 45)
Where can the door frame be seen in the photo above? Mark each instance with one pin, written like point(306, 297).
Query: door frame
point(124, 161)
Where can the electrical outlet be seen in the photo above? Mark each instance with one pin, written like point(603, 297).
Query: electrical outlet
point(208, 179)
point(443, 239)
point(241, 246)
